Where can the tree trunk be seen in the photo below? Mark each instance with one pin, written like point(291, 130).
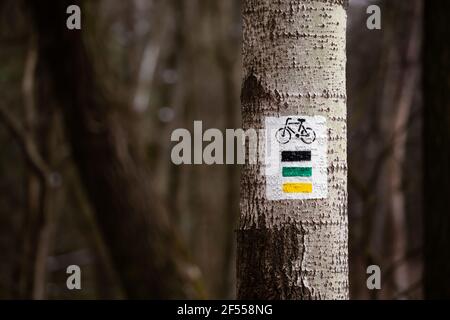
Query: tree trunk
point(145, 249)
point(436, 150)
point(227, 54)
point(403, 66)
point(294, 64)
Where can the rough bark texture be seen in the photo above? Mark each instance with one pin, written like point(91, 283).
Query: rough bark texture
point(294, 63)
point(144, 248)
point(437, 150)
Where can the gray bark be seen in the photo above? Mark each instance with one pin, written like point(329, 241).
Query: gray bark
point(294, 63)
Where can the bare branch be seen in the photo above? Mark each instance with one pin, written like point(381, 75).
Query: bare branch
point(25, 142)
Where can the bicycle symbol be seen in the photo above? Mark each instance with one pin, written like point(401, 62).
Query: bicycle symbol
point(285, 134)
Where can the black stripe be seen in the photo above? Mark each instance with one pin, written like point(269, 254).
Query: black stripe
point(290, 156)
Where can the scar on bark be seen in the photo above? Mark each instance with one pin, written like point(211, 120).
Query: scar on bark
point(253, 93)
point(269, 271)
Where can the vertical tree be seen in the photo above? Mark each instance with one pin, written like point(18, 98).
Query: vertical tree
point(436, 69)
point(294, 63)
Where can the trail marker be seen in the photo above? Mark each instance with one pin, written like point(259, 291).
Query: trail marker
point(296, 157)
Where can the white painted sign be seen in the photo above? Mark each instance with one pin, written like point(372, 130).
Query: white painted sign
point(296, 157)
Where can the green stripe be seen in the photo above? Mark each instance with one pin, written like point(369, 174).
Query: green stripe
point(297, 171)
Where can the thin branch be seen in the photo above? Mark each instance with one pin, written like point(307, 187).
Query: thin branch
point(149, 62)
point(28, 147)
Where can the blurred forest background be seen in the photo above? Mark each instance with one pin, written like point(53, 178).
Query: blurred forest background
point(164, 64)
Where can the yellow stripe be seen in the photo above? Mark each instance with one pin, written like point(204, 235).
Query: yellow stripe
point(297, 188)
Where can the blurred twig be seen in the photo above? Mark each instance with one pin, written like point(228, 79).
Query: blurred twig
point(26, 143)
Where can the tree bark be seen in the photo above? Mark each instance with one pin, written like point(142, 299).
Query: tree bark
point(294, 63)
point(436, 115)
point(144, 247)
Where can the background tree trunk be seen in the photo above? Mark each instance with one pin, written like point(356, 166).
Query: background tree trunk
point(144, 248)
point(294, 63)
point(436, 68)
